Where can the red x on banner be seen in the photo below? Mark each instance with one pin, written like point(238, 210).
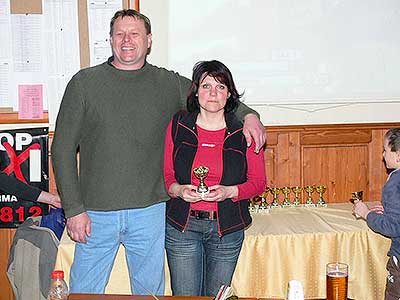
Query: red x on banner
point(17, 160)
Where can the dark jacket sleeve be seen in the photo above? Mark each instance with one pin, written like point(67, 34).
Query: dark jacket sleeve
point(388, 223)
point(18, 188)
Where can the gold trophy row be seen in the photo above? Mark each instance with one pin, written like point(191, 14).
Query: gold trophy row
point(288, 197)
point(261, 201)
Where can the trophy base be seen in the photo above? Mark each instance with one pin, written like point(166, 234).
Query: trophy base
point(297, 204)
point(203, 193)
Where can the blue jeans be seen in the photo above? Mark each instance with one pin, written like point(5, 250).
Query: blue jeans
point(199, 260)
point(141, 232)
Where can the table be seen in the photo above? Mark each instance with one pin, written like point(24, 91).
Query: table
point(136, 297)
point(285, 244)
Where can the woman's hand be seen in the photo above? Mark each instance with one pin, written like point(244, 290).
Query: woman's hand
point(221, 192)
point(185, 191)
point(51, 199)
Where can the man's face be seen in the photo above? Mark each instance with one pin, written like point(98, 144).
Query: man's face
point(129, 43)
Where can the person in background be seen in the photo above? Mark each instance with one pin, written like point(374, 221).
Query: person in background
point(204, 233)
point(27, 192)
point(385, 218)
point(115, 114)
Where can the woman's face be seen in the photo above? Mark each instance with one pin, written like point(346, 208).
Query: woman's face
point(392, 158)
point(212, 95)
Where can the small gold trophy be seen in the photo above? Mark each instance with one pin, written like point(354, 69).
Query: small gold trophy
point(286, 191)
point(321, 190)
point(356, 196)
point(201, 173)
point(309, 189)
point(275, 191)
point(264, 204)
point(297, 190)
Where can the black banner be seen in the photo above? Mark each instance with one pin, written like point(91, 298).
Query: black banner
point(23, 155)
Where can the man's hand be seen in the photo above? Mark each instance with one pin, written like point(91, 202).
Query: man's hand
point(78, 227)
point(253, 128)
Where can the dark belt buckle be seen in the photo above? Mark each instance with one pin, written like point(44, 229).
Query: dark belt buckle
point(203, 215)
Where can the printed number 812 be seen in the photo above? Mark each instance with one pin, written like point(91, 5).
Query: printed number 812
point(7, 213)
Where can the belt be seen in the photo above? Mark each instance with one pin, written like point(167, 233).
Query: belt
point(204, 214)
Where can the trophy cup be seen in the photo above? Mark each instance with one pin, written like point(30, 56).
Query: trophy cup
point(356, 196)
point(264, 203)
point(201, 173)
point(257, 202)
point(251, 204)
point(297, 190)
point(321, 190)
point(275, 191)
point(286, 190)
point(309, 189)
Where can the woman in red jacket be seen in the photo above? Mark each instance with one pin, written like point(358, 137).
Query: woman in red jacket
point(205, 231)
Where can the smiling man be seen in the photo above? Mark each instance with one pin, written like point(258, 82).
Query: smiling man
point(115, 115)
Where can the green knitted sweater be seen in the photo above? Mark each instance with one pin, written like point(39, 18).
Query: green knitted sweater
point(116, 119)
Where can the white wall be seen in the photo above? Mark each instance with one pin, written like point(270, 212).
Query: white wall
point(275, 114)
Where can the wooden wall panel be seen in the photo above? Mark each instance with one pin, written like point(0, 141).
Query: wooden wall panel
point(345, 158)
point(377, 171)
point(341, 169)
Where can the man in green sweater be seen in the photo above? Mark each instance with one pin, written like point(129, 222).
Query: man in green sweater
point(115, 115)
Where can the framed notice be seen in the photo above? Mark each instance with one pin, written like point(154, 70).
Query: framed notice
point(23, 155)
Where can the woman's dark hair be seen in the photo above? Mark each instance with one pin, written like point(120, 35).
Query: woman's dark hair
point(130, 13)
point(220, 73)
point(393, 137)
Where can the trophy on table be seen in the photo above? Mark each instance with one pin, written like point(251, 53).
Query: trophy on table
point(286, 191)
point(309, 189)
point(321, 190)
point(355, 197)
point(255, 203)
point(297, 190)
point(275, 191)
point(264, 202)
point(201, 173)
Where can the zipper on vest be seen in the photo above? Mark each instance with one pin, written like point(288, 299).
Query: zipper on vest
point(219, 227)
point(187, 221)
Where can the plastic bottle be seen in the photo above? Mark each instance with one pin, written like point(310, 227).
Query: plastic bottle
point(58, 288)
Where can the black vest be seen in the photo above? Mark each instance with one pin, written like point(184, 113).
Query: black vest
point(232, 216)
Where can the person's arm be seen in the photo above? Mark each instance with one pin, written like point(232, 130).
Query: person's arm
point(64, 148)
point(18, 188)
point(64, 154)
point(254, 185)
point(256, 177)
point(253, 129)
point(388, 223)
point(27, 192)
